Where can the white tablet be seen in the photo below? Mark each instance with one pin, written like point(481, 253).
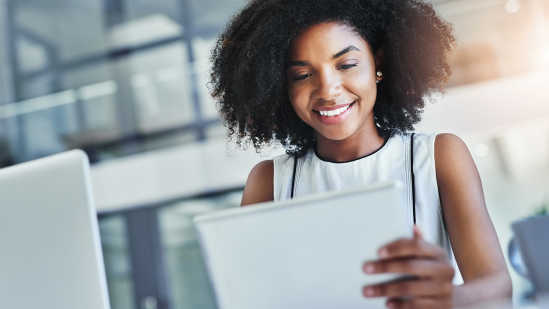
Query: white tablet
point(303, 253)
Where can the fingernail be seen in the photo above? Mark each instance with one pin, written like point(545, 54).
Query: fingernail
point(369, 291)
point(417, 231)
point(369, 268)
point(383, 253)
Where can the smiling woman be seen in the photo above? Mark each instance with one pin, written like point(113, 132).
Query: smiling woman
point(340, 84)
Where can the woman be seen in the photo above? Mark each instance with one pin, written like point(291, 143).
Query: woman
point(340, 84)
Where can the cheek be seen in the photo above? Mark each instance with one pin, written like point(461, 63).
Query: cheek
point(299, 97)
point(295, 91)
point(363, 84)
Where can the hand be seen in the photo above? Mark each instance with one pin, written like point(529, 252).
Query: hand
point(431, 286)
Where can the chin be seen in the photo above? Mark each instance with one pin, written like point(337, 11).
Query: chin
point(335, 136)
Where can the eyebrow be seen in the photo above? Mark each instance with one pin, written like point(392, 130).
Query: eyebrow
point(300, 63)
point(344, 51)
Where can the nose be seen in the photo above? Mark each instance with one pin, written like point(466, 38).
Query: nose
point(329, 85)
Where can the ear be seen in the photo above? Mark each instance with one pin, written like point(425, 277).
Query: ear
point(379, 57)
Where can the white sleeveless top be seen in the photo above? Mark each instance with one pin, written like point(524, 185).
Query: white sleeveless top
point(390, 162)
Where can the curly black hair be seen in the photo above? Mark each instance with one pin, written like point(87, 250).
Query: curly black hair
point(249, 64)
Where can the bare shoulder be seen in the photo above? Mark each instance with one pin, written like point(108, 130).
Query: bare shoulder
point(447, 144)
point(456, 172)
point(452, 157)
point(259, 186)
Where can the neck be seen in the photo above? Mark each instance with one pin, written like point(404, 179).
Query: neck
point(362, 143)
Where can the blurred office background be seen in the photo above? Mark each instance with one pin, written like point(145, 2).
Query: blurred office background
point(126, 80)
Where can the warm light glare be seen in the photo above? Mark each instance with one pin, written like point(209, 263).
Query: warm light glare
point(545, 57)
point(542, 57)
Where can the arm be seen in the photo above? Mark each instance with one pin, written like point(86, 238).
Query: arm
point(471, 233)
point(473, 237)
point(259, 186)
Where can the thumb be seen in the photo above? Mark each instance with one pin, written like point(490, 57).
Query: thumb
point(417, 232)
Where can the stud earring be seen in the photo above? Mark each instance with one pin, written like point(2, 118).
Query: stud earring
point(379, 77)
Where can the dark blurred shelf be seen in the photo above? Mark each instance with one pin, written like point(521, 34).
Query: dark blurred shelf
point(95, 142)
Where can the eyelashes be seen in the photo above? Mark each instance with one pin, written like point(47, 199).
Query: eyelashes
point(342, 67)
point(301, 77)
point(347, 66)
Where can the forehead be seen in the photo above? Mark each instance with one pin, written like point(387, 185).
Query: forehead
point(324, 40)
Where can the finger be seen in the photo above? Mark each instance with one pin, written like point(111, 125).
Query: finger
point(415, 288)
point(418, 267)
point(411, 247)
point(417, 233)
point(419, 303)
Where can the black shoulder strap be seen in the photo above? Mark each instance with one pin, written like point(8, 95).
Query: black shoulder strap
point(413, 177)
point(293, 177)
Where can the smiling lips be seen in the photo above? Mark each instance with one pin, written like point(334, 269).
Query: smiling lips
point(333, 114)
point(332, 110)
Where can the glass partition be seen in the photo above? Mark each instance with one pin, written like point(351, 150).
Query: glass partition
point(152, 256)
point(116, 254)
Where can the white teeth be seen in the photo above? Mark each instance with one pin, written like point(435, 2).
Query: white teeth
point(335, 112)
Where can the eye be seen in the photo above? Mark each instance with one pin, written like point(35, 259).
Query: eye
point(301, 76)
point(346, 66)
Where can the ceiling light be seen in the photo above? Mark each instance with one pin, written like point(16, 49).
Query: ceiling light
point(512, 6)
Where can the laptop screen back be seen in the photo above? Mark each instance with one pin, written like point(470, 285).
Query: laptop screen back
point(50, 249)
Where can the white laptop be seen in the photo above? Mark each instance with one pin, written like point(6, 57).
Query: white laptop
point(50, 254)
point(303, 253)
